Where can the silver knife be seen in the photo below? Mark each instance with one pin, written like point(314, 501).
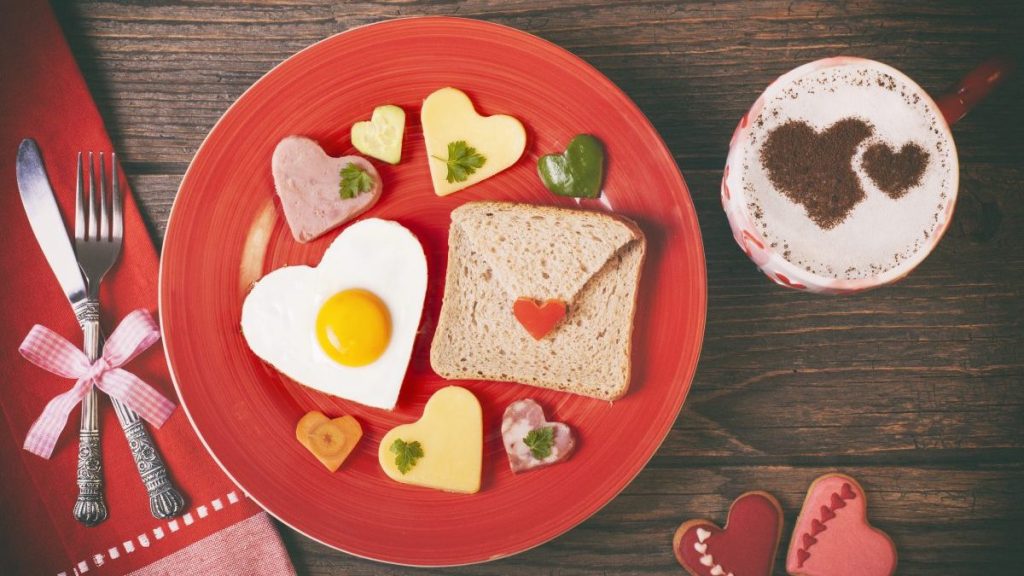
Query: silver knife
point(44, 217)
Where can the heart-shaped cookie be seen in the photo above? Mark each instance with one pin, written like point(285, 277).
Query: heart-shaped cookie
point(381, 136)
point(895, 173)
point(441, 450)
point(539, 319)
point(815, 169)
point(330, 441)
point(448, 117)
point(745, 547)
point(832, 536)
point(578, 171)
point(530, 440)
point(309, 183)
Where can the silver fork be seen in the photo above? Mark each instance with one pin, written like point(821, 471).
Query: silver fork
point(98, 239)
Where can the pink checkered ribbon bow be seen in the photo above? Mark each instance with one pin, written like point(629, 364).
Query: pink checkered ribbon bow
point(44, 348)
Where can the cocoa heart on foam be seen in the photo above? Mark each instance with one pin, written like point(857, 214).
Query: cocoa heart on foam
point(745, 547)
point(815, 169)
point(832, 536)
point(523, 416)
point(895, 172)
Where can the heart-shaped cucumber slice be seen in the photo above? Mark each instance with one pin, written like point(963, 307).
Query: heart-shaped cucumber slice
point(381, 135)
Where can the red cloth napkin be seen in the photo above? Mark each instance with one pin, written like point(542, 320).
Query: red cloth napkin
point(43, 96)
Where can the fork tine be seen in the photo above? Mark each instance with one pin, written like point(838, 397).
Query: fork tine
point(91, 232)
point(104, 201)
point(117, 223)
point(79, 203)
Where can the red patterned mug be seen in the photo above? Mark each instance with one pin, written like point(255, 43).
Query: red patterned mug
point(880, 146)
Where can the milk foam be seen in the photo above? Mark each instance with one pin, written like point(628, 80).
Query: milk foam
point(880, 234)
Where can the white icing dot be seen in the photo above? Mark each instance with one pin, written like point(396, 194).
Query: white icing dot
point(707, 560)
point(702, 534)
point(702, 548)
point(717, 570)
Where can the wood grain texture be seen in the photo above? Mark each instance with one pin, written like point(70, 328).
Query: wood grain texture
point(914, 389)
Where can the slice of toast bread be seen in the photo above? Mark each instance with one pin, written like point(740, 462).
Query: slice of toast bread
point(498, 252)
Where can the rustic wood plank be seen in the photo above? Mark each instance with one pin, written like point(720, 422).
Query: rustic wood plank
point(914, 389)
point(943, 520)
point(693, 68)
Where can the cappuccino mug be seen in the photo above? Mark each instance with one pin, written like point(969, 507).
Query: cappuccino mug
point(843, 175)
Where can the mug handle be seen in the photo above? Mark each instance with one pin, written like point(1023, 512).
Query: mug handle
point(973, 88)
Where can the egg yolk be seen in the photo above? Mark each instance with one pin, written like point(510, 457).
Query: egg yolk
point(353, 327)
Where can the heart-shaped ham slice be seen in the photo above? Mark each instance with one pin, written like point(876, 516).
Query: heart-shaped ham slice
point(745, 547)
point(832, 536)
point(522, 417)
point(308, 181)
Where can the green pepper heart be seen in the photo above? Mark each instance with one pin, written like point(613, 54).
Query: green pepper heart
point(578, 171)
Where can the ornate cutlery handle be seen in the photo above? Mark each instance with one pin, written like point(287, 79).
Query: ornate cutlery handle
point(90, 507)
point(164, 499)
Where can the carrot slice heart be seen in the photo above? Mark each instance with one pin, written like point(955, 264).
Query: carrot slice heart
point(538, 319)
point(330, 441)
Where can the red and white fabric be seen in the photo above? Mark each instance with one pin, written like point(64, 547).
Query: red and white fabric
point(222, 532)
point(48, 350)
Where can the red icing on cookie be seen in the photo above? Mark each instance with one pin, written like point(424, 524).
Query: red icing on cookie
point(850, 546)
point(837, 502)
point(827, 514)
point(745, 547)
point(847, 492)
point(802, 556)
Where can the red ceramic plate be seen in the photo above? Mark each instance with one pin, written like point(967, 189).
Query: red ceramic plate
point(226, 231)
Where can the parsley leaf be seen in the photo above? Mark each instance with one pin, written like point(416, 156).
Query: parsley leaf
point(540, 440)
point(354, 181)
point(406, 454)
point(463, 160)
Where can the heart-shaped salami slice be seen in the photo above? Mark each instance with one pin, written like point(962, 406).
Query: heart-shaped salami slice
point(832, 535)
point(530, 440)
point(745, 547)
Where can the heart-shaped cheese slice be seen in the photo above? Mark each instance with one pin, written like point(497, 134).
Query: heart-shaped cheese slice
point(308, 182)
point(448, 116)
point(450, 434)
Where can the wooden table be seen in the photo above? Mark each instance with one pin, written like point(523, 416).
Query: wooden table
point(917, 389)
